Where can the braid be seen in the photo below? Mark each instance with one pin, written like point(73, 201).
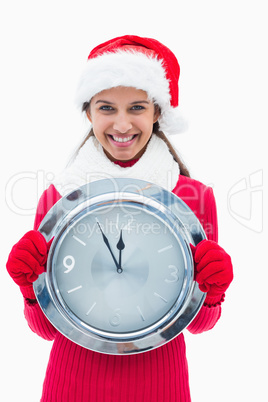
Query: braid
point(183, 169)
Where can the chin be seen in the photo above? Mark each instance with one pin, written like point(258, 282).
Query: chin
point(122, 158)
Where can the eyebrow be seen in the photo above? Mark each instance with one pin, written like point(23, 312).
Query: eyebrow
point(132, 103)
point(103, 101)
point(142, 101)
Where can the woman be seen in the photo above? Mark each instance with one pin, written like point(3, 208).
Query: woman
point(129, 92)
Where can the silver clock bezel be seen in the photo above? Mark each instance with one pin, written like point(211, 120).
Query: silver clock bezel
point(113, 192)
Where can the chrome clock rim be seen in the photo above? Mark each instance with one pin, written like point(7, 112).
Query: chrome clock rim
point(91, 196)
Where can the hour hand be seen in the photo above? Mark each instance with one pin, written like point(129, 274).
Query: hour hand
point(106, 241)
point(120, 245)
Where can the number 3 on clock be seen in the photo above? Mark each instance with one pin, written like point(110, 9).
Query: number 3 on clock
point(173, 273)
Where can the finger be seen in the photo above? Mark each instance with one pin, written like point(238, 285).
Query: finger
point(212, 256)
point(204, 287)
point(39, 252)
point(203, 247)
point(36, 241)
point(193, 249)
point(22, 274)
point(26, 263)
point(211, 276)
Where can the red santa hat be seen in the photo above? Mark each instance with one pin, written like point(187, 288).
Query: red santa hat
point(142, 63)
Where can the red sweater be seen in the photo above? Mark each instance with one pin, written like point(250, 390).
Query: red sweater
point(75, 374)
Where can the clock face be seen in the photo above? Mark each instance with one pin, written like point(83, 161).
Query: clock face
point(119, 269)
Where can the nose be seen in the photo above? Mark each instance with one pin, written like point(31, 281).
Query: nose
point(122, 123)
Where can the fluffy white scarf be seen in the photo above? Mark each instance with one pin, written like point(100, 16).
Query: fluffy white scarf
point(156, 166)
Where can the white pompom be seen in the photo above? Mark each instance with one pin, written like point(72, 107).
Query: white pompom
point(172, 121)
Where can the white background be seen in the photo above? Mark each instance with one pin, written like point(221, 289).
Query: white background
point(222, 50)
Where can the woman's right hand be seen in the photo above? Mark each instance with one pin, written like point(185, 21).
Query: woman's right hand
point(27, 261)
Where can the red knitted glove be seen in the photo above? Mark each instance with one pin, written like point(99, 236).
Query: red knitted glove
point(27, 261)
point(213, 269)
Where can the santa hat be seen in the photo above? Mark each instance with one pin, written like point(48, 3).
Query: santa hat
point(142, 63)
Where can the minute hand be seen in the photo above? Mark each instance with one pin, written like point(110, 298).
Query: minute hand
point(106, 241)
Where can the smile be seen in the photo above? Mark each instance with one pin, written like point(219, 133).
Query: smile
point(123, 139)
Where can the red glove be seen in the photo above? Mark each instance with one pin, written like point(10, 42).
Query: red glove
point(27, 261)
point(213, 269)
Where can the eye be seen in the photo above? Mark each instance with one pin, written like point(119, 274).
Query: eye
point(106, 108)
point(137, 107)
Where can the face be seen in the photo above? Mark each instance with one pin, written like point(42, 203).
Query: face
point(122, 120)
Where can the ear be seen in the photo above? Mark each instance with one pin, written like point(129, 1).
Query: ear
point(88, 115)
point(157, 113)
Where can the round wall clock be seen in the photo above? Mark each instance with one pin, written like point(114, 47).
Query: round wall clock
point(119, 277)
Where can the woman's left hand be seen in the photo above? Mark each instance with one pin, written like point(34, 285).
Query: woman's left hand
point(213, 268)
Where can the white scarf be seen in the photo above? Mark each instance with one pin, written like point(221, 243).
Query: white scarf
point(156, 165)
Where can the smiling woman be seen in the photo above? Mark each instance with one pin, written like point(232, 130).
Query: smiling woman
point(123, 119)
point(129, 92)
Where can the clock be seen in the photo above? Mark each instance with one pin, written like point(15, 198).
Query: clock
point(119, 276)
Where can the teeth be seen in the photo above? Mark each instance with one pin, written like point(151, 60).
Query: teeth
point(120, 139)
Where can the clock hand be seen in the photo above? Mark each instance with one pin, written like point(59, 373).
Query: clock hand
point(120, 245)
point(106, 241)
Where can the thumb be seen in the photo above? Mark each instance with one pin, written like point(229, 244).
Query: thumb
point(49, 243)
point(193, 249)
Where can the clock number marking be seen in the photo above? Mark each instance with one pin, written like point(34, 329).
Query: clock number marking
point(174, 274)
point(115, 320)
point(117, 225)
point(79, 240)
point(74, 289)
point(160, 297)
point(161, 250)
point(128, 227)
point(68, 263)
point(140, 312)
point(91, 308)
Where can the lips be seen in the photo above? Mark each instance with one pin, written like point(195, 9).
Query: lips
point(122, 141)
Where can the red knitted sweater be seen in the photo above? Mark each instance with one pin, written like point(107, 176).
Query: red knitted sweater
point(75, 374)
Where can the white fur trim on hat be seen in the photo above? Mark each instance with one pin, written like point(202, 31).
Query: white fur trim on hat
point(131, 69)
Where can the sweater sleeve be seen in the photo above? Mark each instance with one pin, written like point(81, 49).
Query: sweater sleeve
point(210, 312)
point(35, 317)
